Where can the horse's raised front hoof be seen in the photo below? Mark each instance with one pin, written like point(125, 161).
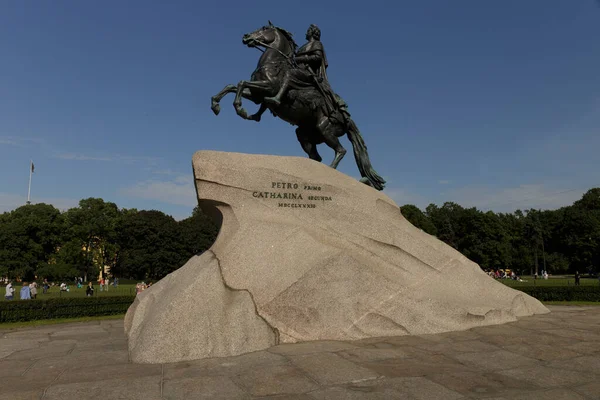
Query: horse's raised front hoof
point(216, 108)
point(242, 113)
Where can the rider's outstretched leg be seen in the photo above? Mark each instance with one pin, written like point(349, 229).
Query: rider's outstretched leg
point(285, 84)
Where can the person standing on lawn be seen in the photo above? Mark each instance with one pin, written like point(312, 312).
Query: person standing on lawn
point(10, 291)
point(33, 290)
point(89, 291)
point(25, 294)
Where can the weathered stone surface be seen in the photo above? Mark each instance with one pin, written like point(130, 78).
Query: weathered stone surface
point(308, 253)
point(494, 360)
point(14, 367)
point(204, 387)
point(329, 369)
point(146, 388)
point(395, 388)
point(22, 395)
point(282, 379)
point(227, 366)
point(409, 370)
point(191, 314)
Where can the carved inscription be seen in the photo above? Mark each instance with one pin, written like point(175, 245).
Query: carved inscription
point(293, 195)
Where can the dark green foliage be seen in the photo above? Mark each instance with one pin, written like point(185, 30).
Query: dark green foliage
point(29, 310)
point(418, 219)
point(562, 293)
point(37, 241)
point(93, 227)
point(198, 232)
point(151, 245)
point(29, 238)
point(561, 241)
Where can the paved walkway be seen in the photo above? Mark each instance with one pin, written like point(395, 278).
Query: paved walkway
point(553, 356)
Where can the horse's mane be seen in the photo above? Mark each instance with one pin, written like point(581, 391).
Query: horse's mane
point(288, 36)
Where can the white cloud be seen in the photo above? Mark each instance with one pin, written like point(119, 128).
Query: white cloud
point(111, 157)
point(81, 157)
point(165, 172)
point(19, 141)
point(512, 198)
point(179, 191)
point(402, 197)
point(10, 201)
point(135, 159)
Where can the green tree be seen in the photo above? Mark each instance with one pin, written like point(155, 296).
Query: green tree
point(484, 239)
point(198, 232)
point(447, 221)
point(416, 217)
point(29, 236)
point(580, 232)
point(65, 264)
point(150, 245)
point(94, 225)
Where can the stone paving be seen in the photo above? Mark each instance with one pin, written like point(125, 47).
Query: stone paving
point(551, 356)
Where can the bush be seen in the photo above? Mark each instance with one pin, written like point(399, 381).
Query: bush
point(29, 310)
point(562, 293)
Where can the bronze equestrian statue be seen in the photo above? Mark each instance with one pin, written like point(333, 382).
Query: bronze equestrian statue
point(293, 85)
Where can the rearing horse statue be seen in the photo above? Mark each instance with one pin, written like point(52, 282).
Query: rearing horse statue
point(304, 104)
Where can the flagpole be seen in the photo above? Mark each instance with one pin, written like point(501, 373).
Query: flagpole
point(29, 190)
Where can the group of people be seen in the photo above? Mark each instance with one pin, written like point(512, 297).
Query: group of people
point(543, 275)
point(140, 287)
point(503, 274)
point(28, 291)
point(104, 283)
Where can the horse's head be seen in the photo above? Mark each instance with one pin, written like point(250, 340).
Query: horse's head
point(262, 36)
point(269, 36)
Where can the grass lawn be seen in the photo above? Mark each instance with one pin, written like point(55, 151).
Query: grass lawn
point(31, 324)
point(558, 281)
point(121, 290)
point(571, 303)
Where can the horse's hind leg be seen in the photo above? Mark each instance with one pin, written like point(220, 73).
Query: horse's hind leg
point(308, 145)
point(330, 133)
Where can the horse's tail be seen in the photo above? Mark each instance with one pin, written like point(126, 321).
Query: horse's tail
point(362, 157)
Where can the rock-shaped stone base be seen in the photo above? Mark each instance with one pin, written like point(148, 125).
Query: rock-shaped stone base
point(304, 253)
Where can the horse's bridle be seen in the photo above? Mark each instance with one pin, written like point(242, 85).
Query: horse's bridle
point(290, 59)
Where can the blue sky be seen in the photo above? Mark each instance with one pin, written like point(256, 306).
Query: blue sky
point(494, 104)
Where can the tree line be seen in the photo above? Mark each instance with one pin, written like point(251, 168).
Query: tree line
point(40, 241)
point(560, 241)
